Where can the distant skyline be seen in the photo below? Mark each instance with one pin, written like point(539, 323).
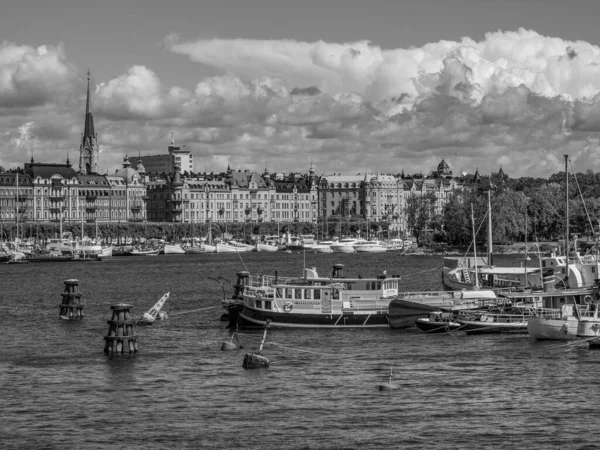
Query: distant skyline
point(348, 85)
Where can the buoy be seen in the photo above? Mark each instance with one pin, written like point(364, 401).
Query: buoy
point(389, 386)
point(228, 346)
point(256, 360)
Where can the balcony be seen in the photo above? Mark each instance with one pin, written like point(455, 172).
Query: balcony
point(176, 209)
point(57, 198)
point(55, 210)
point(90, 198)
point(136, 209)
point(146, 198)
point(90, 220)
point(90, 208)
point(22, 209)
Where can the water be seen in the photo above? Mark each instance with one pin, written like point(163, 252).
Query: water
point(59, 390)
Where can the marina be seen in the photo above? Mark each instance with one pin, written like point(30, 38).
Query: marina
point(181, 367)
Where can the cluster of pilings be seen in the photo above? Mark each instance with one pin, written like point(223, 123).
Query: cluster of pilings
point(71, 306)
point(120, 335)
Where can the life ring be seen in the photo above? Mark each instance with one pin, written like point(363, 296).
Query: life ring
point(258, 295)
point(287, 307)
point(587, 299)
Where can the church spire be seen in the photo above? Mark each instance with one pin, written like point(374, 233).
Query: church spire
point(89, 119)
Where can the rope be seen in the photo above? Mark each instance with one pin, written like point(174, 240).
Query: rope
point(193, 310)
point(305, 351)
point(238, 253)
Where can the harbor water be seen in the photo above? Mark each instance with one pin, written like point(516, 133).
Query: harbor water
point(58, 388)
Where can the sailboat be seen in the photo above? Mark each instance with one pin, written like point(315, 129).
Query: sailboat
point(577, 308)
point(466, 272)
point(154, 313)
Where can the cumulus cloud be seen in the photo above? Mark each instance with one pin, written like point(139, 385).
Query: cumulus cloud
point(33, 76)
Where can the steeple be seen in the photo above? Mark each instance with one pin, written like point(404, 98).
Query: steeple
point(88, 149)
point(89, 119)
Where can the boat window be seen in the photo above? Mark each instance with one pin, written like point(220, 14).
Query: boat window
point(308, 294)
point(289, 293)
point(258, 304)
point(349, 286)
point(298, 294)
point(335, 294)
point(268, 305)
point(378, 285)
point(317, 294)
point(278, 293)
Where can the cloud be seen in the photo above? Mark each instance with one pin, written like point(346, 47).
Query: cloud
point(33, 76)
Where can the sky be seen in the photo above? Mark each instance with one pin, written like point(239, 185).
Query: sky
point(347, 86)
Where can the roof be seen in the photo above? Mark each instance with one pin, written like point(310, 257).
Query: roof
point(43, 170)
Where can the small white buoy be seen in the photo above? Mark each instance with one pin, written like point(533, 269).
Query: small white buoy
point(228, 346)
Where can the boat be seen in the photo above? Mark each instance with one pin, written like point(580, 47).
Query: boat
point(407, 307)
point(51, 256)
point(144, 252)
point(107, 251)
point(194, 249)
point(302, 242)
point(233, 247)
point(270, 244)
point(323, 247)
point(370, 247)
point(493, 322)
point(154, 313)
point(345, 245)
point(173, 249)
point(314, 301)
point(395, 244)
point(437, 322)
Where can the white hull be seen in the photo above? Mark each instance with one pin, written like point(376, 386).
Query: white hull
point(552, 329)
point(210, 248)
point(370, 249)
point(322, 249)
point(588, 328)
point(226, 248)
point(106, 252)
point(266, 247)
point(171, 249)
point(342, 248)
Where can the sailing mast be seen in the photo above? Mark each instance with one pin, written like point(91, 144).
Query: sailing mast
point(526, 277)
point(490, 256)
point(476, 281)
point(567, 225)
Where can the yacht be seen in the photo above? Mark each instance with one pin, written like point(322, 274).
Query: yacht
point(323, 247)
point(370, 247)
point(346, 245)
point(233, 247)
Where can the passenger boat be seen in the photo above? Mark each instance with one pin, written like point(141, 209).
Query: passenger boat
point(370, 247)
point(437, 322)
point(407, 307)
point(313, 301)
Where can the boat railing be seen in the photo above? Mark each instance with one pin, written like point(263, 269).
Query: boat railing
point(418, 294)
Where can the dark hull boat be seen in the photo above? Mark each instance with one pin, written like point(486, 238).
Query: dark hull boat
point(437, 322)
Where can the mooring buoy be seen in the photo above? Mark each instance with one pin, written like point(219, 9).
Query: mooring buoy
point(256, 360)
point(120, 331)
point(230, 345)
point(71, 306)
point(389, 386)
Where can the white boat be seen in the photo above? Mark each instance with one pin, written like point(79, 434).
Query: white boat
point(63, 245)
point(145, 252)
point(107, 251)
point(173, 249)
point(323, 247)
point(370, 247)
point(267, 246)
point(395, 244)
point(233, 247)
point(313, 301)
point(345, 245)
point(302, 242)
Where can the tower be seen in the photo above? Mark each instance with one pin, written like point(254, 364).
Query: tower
point(88, 150)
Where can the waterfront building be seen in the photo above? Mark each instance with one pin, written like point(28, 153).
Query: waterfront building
point(295, 198)
point(251, 196)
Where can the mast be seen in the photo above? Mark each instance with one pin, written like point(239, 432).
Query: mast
point(526, 278)
point(476, 281)
point(17, 213)
point(567, 224)
point(490, 256)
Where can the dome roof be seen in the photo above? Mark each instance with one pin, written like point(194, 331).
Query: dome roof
point(127, 173)
point(443, 168)
point(140, 167)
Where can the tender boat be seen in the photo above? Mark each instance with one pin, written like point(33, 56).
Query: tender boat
point(437, 322)
point(313, 301)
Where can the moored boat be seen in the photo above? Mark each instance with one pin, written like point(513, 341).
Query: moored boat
point(345, 245)
point(437, 322)
point(173, 249)
point(233, 247)
point(313, 301)
point(145, 252)
point(323, 247)
point(370, 247)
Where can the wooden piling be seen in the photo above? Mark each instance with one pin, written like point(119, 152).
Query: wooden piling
point(121, 336)
point(72, 305)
